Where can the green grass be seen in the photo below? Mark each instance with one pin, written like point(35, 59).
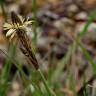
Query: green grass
point(36, 79)
point(34, 26)
point(72, 50)
point(4, 80)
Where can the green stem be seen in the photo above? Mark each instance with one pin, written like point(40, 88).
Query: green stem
point(88, 57)
point(34, 9)
point(3, 10)
point(45, 83)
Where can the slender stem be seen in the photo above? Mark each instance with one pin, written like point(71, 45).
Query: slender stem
point(3, 10)
point(34, 9)
point(88, 57)
point(45, 83)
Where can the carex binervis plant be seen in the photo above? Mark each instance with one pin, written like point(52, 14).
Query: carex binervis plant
point(18, 28)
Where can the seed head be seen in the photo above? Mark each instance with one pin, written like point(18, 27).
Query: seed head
point(18, 28)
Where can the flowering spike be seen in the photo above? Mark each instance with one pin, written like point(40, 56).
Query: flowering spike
point(18, 28)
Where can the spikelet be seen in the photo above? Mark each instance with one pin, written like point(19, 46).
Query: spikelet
point(24, 40)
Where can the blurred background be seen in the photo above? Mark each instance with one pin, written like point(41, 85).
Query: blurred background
point(68, 68)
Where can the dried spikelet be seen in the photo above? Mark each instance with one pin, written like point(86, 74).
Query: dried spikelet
point(22, 36)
